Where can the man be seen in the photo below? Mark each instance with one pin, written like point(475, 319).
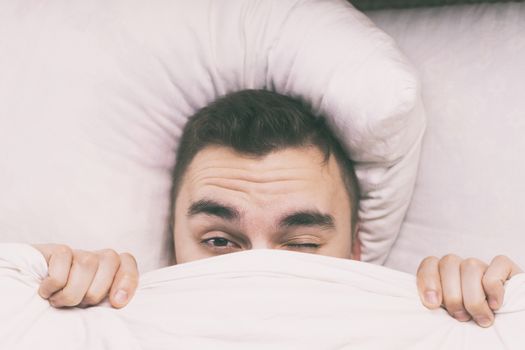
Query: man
point(257, 170)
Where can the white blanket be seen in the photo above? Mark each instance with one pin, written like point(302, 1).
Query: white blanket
point(250, 300)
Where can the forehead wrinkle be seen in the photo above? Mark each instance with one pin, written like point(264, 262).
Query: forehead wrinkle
point(259, 182)
point(247, 186)
point(255, 193)
point(223, 167)
point(257, 176)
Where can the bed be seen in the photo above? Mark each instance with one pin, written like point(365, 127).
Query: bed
point(94, 97)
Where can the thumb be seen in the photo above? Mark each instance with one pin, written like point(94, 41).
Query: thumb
point(125, 282)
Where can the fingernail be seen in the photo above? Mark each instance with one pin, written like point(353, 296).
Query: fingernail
point(121, 296)
point(461, 316)
point(484, 321)
point(431, 297)
point(493, 303)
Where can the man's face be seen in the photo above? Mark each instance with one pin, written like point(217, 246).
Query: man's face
point(289, 199)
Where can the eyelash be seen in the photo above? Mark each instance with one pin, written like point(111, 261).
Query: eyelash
point(208, 240)
point(304, 245)
point(209, 243)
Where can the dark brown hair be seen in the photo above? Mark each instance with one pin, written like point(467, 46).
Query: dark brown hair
point(255, 123)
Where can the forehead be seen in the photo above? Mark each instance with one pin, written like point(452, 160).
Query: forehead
point(288, 177)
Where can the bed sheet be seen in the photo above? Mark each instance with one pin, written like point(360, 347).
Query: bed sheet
point(251, 300)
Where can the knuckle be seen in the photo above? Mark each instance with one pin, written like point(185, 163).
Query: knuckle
point(449, 261)
point(501, 259)
point(110, 256)
point(449, 258)
point(429, 260)
point(92, 298)
point(490, 283)
point(471, 263)
point(128, 256)
point(86, 259)
point(130, 261)
point(56, 282)
point(63, 249)
point(68, 299)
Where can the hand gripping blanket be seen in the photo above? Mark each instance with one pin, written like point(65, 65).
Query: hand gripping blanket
point(249, 300)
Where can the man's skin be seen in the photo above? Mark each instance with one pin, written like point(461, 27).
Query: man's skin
point(289, 199)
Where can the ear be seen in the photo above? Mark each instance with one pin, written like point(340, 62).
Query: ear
point(356, 246)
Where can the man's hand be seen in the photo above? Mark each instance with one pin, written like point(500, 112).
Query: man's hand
point(467, 288)
point(81, 278)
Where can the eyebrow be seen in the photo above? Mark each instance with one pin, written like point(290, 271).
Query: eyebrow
point(308, 218)
point(214, 208)
point(303, 218)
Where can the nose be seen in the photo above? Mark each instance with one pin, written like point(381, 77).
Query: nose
point(261, 244)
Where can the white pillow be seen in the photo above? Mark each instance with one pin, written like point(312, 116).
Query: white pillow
point(94, 95)
point(469, 197)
